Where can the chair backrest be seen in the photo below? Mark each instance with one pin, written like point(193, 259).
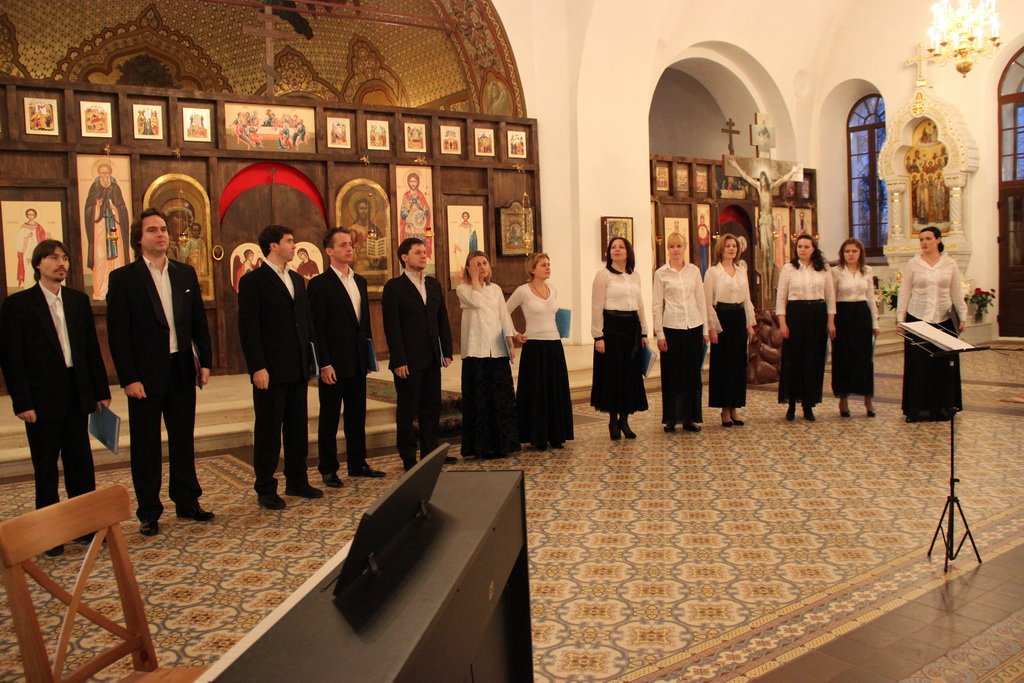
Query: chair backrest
point(25, 537)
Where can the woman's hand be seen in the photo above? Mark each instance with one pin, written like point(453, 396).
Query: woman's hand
point(645, 341)
point(831, 330)
point(784, 329)
point(963, 326)
point(750, 332)
point(663, 345)
point(521, 338)
point(599, 346)
point(713, 336)
point(876, 332)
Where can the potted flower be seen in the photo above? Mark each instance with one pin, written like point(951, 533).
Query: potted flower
point(981, 299)
point(889, 293)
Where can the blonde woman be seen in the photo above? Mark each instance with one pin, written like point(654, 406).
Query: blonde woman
point(542, 395)
point(489, 425)
point(730, 327)
point(681, 326)
point(853, 365)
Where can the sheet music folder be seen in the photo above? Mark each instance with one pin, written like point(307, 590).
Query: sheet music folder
point(943, 341)
point(106, 427)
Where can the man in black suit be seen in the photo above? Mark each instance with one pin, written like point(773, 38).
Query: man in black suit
point(55, 374)
point(160, 343)
point(276, 331)
point(420, 342)
point(341, 319)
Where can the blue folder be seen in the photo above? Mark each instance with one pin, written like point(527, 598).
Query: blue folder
point(371, 357)
point(563, 320)
point(106, 427)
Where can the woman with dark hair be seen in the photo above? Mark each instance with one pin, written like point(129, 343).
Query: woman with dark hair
point(542, 396)
point(930, 291)
point(853, 365)
point(619, 327)
point(806, 307)
point(730, 327)
point(681, 327)
point(490, 428)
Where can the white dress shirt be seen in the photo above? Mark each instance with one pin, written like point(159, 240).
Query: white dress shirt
point(615, 292)
point(928, 292)
point(805, 284)
point(55, 302)
point(349, 283)
point(679, 302)
point(856, 286)
point(285, 277)
point(539, 313)
point(162, 280)
point(722, 288)
point(485, 322)
point(420, 280)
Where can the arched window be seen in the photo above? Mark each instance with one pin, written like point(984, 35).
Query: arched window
point(869, 211)
point(1011, 121)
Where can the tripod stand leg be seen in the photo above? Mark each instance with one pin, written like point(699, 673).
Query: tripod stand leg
point(967, 533)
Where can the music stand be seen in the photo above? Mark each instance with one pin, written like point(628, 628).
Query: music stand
point(939, 344)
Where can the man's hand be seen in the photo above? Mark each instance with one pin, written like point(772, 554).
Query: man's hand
point(135, 390)
point(27, 416)
point(261, 379)
point(102, 405)
point(402, 372)
point(204, 377)
point(327, 375)
point(446, 361)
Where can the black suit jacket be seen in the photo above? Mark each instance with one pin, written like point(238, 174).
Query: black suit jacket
point(417, 333)
point(275, 329)
point(138, 330)
point(33, 362)
point(340, 337)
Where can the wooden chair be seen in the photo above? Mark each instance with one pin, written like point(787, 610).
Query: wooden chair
point(25, 537)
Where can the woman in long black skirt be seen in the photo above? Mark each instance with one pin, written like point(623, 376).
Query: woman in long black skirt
point(680, 324)
point(730, 327)
point(490, 428)
point(619, 327)
point(853, 365)
point(542, 395)
point(806, 306)
point(930, 289)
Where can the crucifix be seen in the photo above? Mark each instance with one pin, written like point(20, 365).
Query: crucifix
point(765, 176)
point(268, 32)
point(920, 61)
point(730, 130)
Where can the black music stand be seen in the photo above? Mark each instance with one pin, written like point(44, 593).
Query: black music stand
point(932, 345)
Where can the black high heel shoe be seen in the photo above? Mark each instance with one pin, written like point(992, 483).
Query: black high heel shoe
point(624, 426)
point(809, 413)
point(791, 413)
point(613, 428)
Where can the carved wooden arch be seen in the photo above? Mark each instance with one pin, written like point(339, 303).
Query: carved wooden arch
point(296, 76)
point(368, 73)
point(191, 67)
point(10, 62)
point(952, 131)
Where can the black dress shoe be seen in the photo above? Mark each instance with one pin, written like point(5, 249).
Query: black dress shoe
point(450, 460)
point(55, 551)
point(304, 491)
point(85, 538)
point(738, 423)
point(557, 444)
point(365, 471)
point(150, 527)
point(871, 413)
point(670, 428)
point(791, 413)
point(809, 414)
point(331, 479)
point(690, 427)
point(844, 413)
point(624, 428)
point(727, 423)
point(271, 501)
point(195, 513)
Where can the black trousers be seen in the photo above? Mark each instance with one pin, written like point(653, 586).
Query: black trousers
point(350, 391)
point(177, 407)
point(419, 397)
point(66, 440)
point(280, 409)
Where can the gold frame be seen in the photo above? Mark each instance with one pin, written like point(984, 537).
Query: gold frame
point(180, 186)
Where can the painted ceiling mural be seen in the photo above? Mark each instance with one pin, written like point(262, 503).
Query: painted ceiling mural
point(439, 54)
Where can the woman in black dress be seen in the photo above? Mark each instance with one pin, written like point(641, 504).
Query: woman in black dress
point(806, 307)
point(853, 365)
point(542, 395)
point(731, 326)
point(930, 291)
point(619, 327)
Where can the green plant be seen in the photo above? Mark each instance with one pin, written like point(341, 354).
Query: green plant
point(889, 293)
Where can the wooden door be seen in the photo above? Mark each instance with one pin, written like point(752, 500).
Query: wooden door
point(1010, 290)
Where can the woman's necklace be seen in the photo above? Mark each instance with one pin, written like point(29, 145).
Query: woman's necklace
point(541, 293)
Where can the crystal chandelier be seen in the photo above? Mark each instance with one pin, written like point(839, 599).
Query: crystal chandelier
point(963, 33)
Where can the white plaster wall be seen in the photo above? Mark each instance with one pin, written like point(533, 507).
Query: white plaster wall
point(590, 68)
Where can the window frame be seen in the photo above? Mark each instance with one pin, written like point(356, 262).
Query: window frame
point(877, 195)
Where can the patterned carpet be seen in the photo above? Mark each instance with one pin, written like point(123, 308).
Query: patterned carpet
point(675, 557)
